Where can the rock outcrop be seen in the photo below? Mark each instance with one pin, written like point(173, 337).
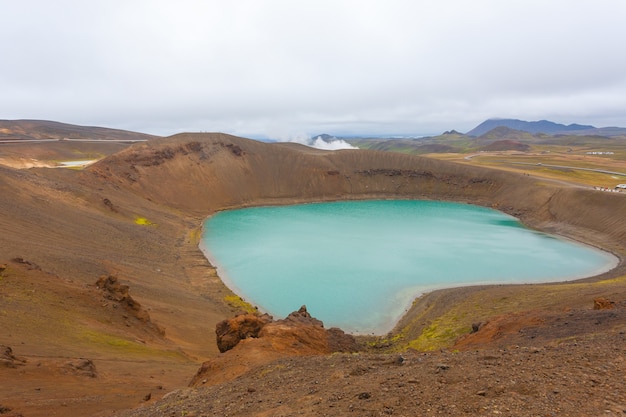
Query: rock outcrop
point(230, 332)
point(81, 367)
point(601, 303)
point(8, 359)
point(117, 292)
point(250, 340)
point(120, 295)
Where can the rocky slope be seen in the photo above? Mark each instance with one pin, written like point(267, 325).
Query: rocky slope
point(521, 364)
point(574, 378)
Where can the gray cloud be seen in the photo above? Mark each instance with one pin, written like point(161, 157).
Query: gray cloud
point(289, 68)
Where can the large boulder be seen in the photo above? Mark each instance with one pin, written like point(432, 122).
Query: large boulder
point(601, 303)
point(247, 341)
point(339, 341)
point(230, 332)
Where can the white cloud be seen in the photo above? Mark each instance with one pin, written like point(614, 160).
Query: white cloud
point(250, 67)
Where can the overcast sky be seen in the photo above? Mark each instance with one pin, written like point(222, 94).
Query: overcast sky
point(287, 68)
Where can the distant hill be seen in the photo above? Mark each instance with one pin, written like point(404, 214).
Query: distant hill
point(44, 129)
point(506, 145)
point(325, 137)
point(541, 126)
point(505, 133)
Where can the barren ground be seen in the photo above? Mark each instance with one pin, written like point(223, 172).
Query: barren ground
point(78, 350)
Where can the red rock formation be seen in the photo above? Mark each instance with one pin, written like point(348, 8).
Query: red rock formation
point(119, 293)
point(230, 332)
point(8, 359)
point(251, 340)
point(601, 303)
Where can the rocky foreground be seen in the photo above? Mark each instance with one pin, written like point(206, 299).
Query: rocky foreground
point(584, 375)
point(582, 378)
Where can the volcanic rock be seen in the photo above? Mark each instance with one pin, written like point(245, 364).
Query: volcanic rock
point(601, 303)
point(119, 293)
point(254, 340)
point(28, 264)
point(230, 332)
point(339, 341)
point(8, 359)
point(303, 316)
point(81, 367)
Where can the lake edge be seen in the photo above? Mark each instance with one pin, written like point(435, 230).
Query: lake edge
point(408, 296)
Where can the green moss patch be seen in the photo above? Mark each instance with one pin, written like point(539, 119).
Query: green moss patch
point(125, 346)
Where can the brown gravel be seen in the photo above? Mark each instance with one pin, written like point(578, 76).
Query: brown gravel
point(580, 377)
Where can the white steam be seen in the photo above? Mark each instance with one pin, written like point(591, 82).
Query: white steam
point(331, 145)
point(325, 142)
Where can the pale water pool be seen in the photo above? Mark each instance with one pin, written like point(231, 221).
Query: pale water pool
point(358, 265)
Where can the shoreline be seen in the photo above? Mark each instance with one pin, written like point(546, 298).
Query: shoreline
point(407, 298)
point(226, 281)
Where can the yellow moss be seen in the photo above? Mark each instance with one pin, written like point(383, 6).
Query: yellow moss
point(617, 280)
point(106, 339)
point(445, 329)
point(239, 303)
point(397, 337)
point(124, 346)
point(388, 344)
point(142, 221)
point(437, 336)
point(195, 235)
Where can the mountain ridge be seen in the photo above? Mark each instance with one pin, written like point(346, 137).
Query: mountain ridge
point(545, 127)
point(33, 129)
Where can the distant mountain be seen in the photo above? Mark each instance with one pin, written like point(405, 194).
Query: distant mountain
point(541, 126)
point(503, 132)
point(451, 132)
point(45, 129)
point(325, 137)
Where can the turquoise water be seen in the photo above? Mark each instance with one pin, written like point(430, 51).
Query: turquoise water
point(358, 265)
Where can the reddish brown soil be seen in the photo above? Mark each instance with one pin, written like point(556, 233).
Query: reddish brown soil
point(578, 377)
point(136, 216)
